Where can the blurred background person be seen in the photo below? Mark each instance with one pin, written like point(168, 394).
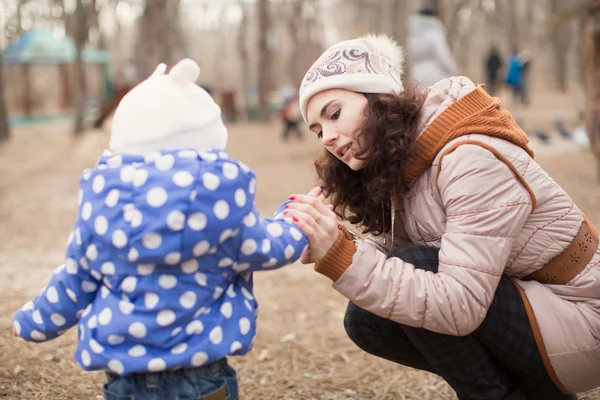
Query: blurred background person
point(525, 72)
point(493, 65)
point(517, 75)
point(291, 118)
point(428, 51)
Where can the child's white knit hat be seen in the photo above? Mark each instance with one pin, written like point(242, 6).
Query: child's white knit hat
point(168, 111)
point(369, 64)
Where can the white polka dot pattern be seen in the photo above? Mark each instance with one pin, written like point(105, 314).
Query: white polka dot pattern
point(183, 178)
point(194, 328)
point(179, 349)
point(211, 181)
point(156, 364)
point(138, 330)
point(158, 239)
point(127, 173)
point(151, 300)
point(176, 220)
point(116, 366)
point(133, 255)
point(157, 197)
point(190, 266)
point(199, 359)
point(167, 281)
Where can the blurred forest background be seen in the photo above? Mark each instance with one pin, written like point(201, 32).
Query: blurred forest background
point(249, 49)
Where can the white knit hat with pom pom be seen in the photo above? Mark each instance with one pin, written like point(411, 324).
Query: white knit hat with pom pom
point(369, 64)
point(168, 111)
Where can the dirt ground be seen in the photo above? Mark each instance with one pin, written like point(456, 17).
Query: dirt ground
point(301, 351)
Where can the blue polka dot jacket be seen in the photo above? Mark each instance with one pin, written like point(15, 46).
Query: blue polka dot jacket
point(158, 270)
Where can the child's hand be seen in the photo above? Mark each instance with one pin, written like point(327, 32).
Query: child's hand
point(317, 220)
point(306, 257)
point(16, 334)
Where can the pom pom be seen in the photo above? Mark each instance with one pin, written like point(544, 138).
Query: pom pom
point(388, 46)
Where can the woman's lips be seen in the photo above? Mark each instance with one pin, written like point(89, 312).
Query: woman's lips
point(346, 152)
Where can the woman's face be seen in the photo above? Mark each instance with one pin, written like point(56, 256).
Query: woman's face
point(335, 115)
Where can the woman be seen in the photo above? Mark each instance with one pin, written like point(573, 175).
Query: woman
point(492, 276)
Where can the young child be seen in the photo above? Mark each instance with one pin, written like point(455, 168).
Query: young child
point(158, 270)
point(291, 118)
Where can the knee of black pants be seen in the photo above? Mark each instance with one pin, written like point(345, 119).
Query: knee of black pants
point(352, 321)
point(422, 257)
point(382, 338)
point(360, 323)
point(362, 327)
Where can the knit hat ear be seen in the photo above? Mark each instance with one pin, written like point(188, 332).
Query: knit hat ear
point(160, 70)
point(369, 64)
point(185, 72)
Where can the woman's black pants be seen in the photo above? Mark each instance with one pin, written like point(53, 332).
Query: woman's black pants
point(499, 360)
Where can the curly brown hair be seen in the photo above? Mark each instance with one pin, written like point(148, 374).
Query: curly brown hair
point(386, 136)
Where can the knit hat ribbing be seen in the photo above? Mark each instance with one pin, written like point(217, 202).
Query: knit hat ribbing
point(369, 64)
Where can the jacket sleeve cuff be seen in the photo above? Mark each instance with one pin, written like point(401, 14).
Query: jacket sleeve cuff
point(339, 257)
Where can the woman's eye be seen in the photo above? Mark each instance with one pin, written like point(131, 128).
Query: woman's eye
point(320, 134)
point(336, 114)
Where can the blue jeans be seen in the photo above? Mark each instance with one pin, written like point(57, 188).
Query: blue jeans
point(216, 381)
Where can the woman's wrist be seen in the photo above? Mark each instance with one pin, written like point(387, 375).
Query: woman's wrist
point(339, 257)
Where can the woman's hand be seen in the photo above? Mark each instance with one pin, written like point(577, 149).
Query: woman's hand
point(316, 220)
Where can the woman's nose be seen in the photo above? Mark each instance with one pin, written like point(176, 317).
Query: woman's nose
point(329, 138)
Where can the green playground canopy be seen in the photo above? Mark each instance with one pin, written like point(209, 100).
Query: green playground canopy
point(42, 46)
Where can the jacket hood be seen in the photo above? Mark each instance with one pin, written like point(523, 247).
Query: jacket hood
point(138, 206)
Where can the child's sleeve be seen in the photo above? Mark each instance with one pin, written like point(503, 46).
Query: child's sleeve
point(269, 243)
point(59, 305)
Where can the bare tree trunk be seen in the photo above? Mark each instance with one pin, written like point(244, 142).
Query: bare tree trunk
point(529, 20)
point(399, 21)
point(293, 24)
point(507, 12)
point(221, 39)
point(591, 81)
point(300, 27)
point(264, 61)
point(560, 43)
point(4, 128)
point(80, 87)
point(453, 25)
point(93, 20)
point(243, 52)
point(514, 34)
point(159, 36)
point(19, 30)
point(311, 42)
point(314, 32)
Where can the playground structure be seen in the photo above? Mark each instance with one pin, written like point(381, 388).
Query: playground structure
point(38, 76)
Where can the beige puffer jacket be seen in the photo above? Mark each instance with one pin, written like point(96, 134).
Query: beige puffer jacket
point(487, 224)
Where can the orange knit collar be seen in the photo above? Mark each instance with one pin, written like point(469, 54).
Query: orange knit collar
point(475, 113)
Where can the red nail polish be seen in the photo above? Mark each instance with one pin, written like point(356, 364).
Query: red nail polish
point(292, 197)
point(285, 212)
point(295, 219)
point(287, 205)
